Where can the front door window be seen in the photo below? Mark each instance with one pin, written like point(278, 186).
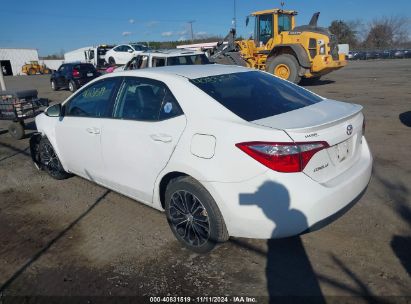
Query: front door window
point(265, 26)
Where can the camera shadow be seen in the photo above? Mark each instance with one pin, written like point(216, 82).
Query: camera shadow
point(288, 268)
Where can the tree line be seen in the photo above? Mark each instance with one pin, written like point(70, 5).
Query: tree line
point(381, 33)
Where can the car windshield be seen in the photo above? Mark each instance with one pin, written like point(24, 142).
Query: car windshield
point(139, 47)
point(188, 60)
point(255, 95)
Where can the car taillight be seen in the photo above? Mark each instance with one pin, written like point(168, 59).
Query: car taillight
point(76, 73)
point(283, 157)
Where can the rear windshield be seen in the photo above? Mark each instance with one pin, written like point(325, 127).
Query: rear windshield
point(255, 95)
point(85, 67)
point(188, 60)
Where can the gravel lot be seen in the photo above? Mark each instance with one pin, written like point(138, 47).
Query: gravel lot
point(73, 237)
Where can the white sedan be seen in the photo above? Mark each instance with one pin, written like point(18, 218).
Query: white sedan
point(223, 150)
point(123, 53)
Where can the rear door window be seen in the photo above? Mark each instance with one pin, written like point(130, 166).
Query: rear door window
point(188, 60)
point(255, 95)
point(146, 100)
point(158, 62)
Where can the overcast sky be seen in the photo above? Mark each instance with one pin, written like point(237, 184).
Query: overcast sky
point(53, 26)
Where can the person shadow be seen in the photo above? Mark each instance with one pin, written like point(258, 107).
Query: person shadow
point(288, 269)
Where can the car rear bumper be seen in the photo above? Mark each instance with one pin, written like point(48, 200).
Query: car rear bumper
point(82, 81)
point(276, 205)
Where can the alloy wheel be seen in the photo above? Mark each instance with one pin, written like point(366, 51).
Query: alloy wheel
point(49, 158)
point(189, 218)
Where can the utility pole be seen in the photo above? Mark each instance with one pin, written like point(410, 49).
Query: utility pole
point(191, 29)
point(2, 84)
point(235, 17)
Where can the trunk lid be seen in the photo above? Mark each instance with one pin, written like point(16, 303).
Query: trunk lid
point(337, 123)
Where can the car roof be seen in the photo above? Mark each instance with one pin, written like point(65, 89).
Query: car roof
point(171, 52)
point(76, 63)
point(189, 71)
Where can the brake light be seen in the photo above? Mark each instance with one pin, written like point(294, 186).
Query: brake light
point(283, 157)
point(76, 73)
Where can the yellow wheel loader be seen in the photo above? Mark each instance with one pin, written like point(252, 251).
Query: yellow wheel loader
point(283, 49)
point(34, 67)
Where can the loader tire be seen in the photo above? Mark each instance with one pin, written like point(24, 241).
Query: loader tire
point(32, 71)
point(284, 66)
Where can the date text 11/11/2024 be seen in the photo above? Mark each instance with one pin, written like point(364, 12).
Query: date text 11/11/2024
point(203, 299)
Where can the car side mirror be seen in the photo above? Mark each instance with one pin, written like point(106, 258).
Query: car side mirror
point(129, 50)
point(54, 111)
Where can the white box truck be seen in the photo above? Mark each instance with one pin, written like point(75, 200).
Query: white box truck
point(91, 54)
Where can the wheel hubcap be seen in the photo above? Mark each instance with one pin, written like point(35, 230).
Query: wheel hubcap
point(189, 218)
point(282, 71)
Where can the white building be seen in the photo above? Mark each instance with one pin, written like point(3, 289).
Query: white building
point(53, 64)
point(12, 59)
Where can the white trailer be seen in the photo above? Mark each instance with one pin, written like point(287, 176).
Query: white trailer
point(343, 49)
point(91, 54)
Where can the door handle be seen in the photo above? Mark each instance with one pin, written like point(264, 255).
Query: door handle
point(93, 130)
point(161, 137)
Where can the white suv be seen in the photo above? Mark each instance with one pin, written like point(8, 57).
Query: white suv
point(122, 53)
point(158, 58)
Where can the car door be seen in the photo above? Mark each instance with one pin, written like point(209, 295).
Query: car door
point(138, 142)
point(127, 54)
point(78, 132)
point(117, 53)
point(67, 75)
point(60, 76)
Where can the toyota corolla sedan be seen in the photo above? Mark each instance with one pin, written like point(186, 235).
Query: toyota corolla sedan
point(223, 150)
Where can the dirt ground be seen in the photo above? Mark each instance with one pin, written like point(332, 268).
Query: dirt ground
point(72, 237)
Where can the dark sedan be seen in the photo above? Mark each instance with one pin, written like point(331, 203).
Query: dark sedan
point(72, 76)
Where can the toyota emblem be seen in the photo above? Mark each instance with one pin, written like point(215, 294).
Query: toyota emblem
point(349, 129)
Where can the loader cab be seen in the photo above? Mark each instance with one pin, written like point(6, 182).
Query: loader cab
point(270, 23)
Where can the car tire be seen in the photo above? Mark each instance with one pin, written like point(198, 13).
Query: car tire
point(53, 85)
point(50, 162)
point(16, 130)
point(111, 60)
point(284, 66)
point(193, 215)
point(72, 86)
